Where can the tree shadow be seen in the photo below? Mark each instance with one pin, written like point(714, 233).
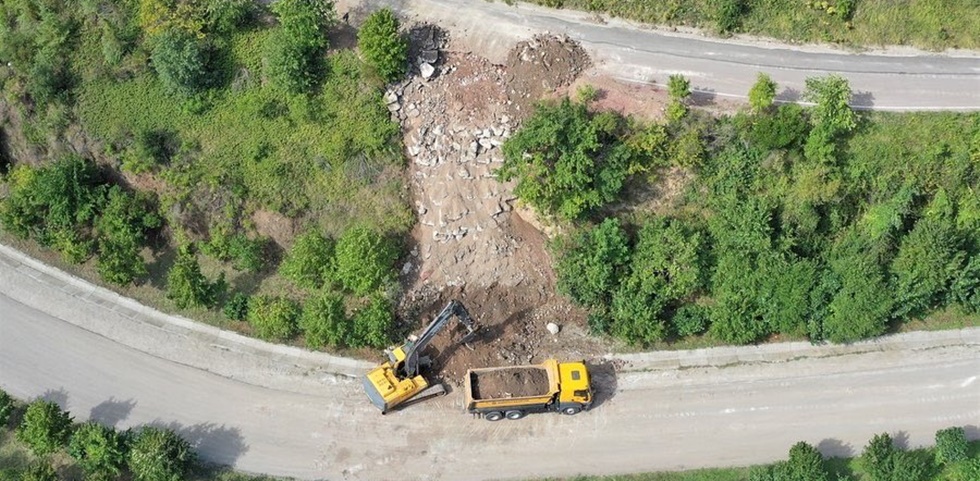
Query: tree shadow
point(789, 95)
point(702, 97)
point(901, 440)
point(112, 412)
point(59, 397)
point(835, 448)
point(862, 100)
point(157, 269)
point(604, 381)
point(972, 432)
point(342, 36)
point(213, 443)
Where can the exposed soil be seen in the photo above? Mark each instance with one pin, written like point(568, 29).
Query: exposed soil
point(508, 383)
point(468, 244)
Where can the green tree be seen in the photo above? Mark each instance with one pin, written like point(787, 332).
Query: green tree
point(382, 46)
point(861, 307)
point(179, 59)
point(805, 464)
point(951, 445)
point(832, 116)
point(6, 408)
point(678, 87)
point(324, 322)
point(309, 262)
point(39, 470)
point(293, 51)
point(928, 259)
point(45, 427)
point(273, 318)
point(158, 454)
point(372, 323)
point(122, 234)
point(99, 450)
point(591, 262)
point(783, 129)
point(762, 93)
point(567, 160)
point(965, 289)
point(690, 320)
point(879, 457)
point(364, 260)
point(187, 286)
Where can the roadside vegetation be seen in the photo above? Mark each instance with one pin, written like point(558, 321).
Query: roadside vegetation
point(802, 222)
point(40, 442)
point(927, 24)
point(185, 145)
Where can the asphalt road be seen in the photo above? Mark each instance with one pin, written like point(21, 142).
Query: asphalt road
point(897, 79)
point(316, 427)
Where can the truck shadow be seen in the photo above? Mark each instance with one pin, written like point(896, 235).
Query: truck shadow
point(604, 383)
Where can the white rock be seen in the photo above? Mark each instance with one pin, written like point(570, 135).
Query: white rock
point(552, 328)
point(427, 70)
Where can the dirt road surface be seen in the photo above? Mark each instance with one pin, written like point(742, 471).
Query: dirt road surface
point(895, 79)
point(275, 410)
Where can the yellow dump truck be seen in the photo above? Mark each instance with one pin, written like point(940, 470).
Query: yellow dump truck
point(512, 392)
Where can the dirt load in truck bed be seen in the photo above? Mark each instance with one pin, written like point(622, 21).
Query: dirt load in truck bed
point(510, 383)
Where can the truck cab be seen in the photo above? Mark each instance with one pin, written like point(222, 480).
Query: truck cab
point(576, 387)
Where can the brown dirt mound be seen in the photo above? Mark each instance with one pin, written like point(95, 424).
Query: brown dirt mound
point(540, 67)
point(507, 383)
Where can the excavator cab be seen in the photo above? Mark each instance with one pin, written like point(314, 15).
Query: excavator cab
point(398, 380)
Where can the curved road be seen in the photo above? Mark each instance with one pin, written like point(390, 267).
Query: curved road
point(901, 79)
point(293, 417)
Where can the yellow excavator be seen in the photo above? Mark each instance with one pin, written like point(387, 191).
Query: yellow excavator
point(397, 381)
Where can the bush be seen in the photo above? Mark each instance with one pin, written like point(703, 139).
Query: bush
point(805, 464)
point(99, 450)
point(6, 408)
point(587, 93)
point(309, 263)
point(728, 15)
point(187, 286)
point(951, 445)
point(39, 470)
point(591, 263)
point(785, 128)
point(179, 60)
point(762, 93)
point(122, 234)
point(567, 160)
point(288, 65)
point(861, 307)
point(45, 427)
point(273, 318)
point(382, 46)
point(159, 454)
point(690, 320)
point(364, 260)
point(236, 308)
point(372, 323)
point(55, 205)
point(324, 322)
point(678, 88)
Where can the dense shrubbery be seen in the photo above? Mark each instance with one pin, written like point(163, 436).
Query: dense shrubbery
point(273, 318)
point(569, 161)
point(159, 455)
point(293, 53)
point(802, 222)
point(46, 428)
point(187, 286)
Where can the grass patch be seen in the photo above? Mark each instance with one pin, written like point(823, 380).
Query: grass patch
point(928, 24)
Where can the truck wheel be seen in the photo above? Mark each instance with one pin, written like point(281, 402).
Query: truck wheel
point(514, 415)
point(493, 416)
point(571, 410)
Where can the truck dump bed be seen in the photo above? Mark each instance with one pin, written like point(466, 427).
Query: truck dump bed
point(524, 381)
point(501, 388)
